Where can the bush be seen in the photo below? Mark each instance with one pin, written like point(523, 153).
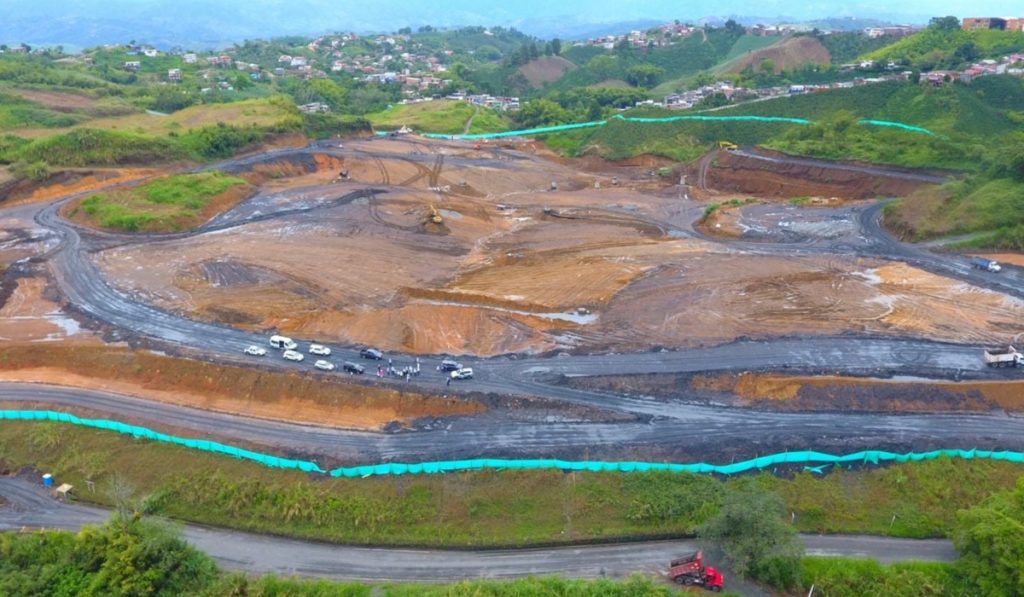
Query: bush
point(750, 530)
point(92, 147)
point(990, 540)
point(122, 557)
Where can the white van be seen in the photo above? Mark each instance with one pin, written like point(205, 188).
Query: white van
point(283, 342)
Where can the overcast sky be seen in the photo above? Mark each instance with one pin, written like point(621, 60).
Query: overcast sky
point(84, 22)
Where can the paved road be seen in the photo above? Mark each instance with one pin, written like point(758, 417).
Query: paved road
point(30, 507)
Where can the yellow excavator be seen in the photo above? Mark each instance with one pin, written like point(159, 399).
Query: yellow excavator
point(727, 145)
point(435, 216)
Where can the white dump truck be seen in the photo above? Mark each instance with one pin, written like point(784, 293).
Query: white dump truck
point(1008, 357)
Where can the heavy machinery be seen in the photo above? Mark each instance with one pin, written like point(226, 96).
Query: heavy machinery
point(728, 145)
point(690, 570)
point(986, 264)
point(1008, 357)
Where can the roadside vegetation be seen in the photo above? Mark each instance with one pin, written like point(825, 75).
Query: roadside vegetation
point(440, 116)
point(750, 519)
point(168, 204)
point(132, 556)
point(490, 508)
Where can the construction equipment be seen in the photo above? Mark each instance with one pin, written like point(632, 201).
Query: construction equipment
point(728, 145)
point(690, 570)
point(1008, 357)
point(986, 264)
point(435, 216)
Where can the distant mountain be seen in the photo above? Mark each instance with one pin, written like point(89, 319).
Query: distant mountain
point(213, 23)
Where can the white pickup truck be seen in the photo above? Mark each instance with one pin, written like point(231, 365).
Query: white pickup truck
point(1008, 357)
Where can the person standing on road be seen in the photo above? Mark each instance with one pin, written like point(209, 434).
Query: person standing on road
point(448, 381)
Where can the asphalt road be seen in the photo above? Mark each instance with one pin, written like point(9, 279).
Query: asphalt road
point(30, 507)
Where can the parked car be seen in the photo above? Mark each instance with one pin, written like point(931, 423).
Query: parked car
point(450, 365)
point(371, 353)
point(256, 351)
point(283, 342)
point(463, 373)
point(354, 368)
point(293, 355)
point(319, 350)
point(324, 365)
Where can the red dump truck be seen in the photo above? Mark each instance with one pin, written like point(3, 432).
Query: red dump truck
point(690, 570)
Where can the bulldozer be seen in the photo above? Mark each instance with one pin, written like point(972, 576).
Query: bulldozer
point(435, 216)
point(727, 145)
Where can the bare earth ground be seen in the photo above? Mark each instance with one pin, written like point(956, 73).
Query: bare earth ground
point(239, 390)
point(516, 267)
point(819, 393)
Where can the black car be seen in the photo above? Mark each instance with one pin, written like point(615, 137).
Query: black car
point(450, 365)
point(371, 353)
point(354, 368)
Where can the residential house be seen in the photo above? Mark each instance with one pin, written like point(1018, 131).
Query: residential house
point(190, 58)
point(174, 75)
point(132, 66)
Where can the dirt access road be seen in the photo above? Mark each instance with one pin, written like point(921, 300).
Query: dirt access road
point(31, 507)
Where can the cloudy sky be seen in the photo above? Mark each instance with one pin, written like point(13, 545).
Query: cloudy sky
point(99, 21)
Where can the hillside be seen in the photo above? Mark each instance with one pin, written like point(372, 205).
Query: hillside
point(787, 54)
point(948, 48)
point(440, 116)
point(545, 70)
point(982, 108)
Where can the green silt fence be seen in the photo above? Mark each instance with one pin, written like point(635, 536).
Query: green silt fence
point(661, 120)
point(814, 461)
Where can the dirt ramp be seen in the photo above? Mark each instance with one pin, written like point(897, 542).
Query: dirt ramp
point(776, 175)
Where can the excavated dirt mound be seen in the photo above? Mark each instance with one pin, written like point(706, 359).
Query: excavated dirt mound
point(733, 173)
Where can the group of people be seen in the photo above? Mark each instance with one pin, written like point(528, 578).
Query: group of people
point(407, 372)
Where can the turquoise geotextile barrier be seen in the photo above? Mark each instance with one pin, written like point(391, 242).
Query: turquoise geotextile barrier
point(806, 458)
point(651, 120)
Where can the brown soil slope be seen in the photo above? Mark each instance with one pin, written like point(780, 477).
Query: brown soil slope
point(313, 399)
point(732, 173)
point(787, 54)
point(546, 69)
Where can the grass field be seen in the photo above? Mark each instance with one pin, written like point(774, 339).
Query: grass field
point(166, 204)
point(256, 112)
point(488, 507)
point(439, 116)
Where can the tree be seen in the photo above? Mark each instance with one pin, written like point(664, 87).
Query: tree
point(967, 52)
point(768, 65)
point(644, 75)
point(603, 66)
point(990, 540)
point(949, 23)
point(556, 46)
point(752, 533)
point(731, 26)
point(541, 112)
point(171, 99)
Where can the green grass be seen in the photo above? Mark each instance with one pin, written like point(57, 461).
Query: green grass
point(488, 508)
point(847, 577)
point(16, 112)
point(439, 116)
point(992, 207)
point(935, 48)
point(162, 205)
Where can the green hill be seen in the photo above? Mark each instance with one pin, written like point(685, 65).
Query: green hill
point(949, 48)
